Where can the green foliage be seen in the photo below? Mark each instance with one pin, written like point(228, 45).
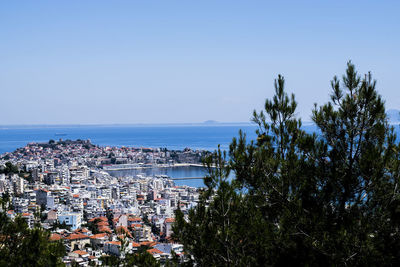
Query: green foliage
point(57, 225)
point(10, 169)
point(217, 229)
point(154, 229)
point(27, 176)
point(92, 226)
point(143, 249)
point(110, 260)
point(110, 216)
point(13, 169)
point(146, 220)
point(21, 246)
point(141, 259)
point(5, 201)
point(330, 198)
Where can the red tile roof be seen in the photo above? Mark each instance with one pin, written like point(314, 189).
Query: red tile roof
point(104, 229)
point(148, 243)
point(154, 251)
point(102, 223)
point(80, 252)
point(135, 219)
point(136, 225)
point(135, 245)
point(169, 220)
point(76, 236)
point(55, 237)
point(98, 236)
point(123, 230)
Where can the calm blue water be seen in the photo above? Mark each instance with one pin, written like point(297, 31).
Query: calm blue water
point(174, 172)
point(171, 137)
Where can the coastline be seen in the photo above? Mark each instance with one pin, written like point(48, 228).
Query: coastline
point(121, 167)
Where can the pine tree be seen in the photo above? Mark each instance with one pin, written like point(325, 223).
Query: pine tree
point(22, 246)
point(325, 198)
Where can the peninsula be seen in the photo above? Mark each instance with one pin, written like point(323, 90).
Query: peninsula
point(64, 187)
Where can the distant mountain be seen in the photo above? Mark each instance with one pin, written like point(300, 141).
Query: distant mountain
point(210, 122)
point(393, 115)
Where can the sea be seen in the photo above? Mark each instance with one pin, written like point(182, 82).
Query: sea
point(173, 137)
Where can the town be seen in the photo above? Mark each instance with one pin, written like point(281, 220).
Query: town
point(64, 187)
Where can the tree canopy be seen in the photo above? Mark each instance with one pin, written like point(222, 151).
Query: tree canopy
point(22, 246)
point(329, 197)
point(10, 169)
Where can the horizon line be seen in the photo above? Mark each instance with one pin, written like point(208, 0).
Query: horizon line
point(206, 123)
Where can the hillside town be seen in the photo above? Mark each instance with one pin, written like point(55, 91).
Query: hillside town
point(64, 187)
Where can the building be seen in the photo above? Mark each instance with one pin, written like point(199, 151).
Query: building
point(73, 220)
point(41, 196)
point(168, 226)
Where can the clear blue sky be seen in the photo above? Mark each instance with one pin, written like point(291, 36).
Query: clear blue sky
point(64, 62)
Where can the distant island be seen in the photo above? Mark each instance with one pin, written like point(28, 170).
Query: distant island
point(210, 122)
